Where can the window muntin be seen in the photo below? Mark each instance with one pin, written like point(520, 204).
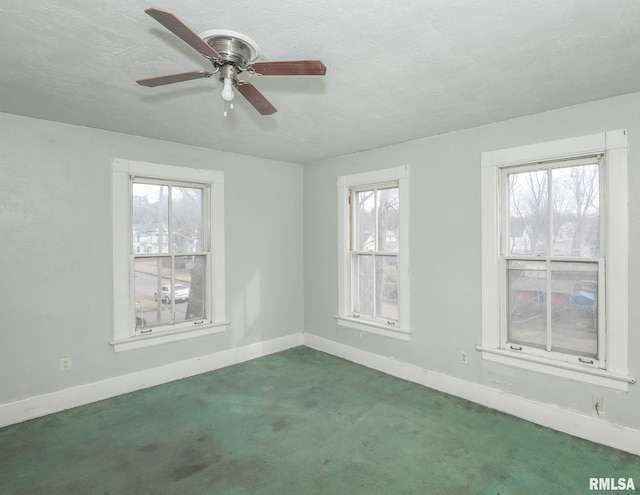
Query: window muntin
point(374, 249)
point(170, 256)
point(551, 260)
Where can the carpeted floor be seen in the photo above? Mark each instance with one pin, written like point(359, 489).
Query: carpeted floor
point(297, 422)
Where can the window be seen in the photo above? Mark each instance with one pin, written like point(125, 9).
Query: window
point(373, 249)
point(551, 246)
point(555, 258)
point(168, 253)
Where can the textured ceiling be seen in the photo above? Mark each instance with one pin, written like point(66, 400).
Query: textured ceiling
point(396, 70)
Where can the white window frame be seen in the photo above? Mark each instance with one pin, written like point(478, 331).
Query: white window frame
point(401, 329)
point(611, 371)
point(125, 336)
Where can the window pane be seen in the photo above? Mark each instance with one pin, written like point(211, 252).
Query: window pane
point(150, 209)
point(574, 308)
point(153, 291)
point(576, 211)
point(389, 219)
point(528, 223)
point(527, 313)
point(364, 221)
point(363, 290)
point(192, 275)
point(387, 287)
point(187, 225)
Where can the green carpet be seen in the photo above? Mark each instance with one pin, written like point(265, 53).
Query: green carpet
point(297, 422)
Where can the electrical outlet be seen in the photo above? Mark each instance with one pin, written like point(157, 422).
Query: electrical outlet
point(463, 357)
point(597, 404)
point(65, 364)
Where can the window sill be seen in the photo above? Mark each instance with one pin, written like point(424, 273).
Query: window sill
point(374, 328)
point(569, 371)
point(151, 339)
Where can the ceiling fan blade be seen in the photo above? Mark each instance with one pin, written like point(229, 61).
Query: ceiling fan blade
point(290, 68)
point(255, 97)
point(177, 27)
point(173, 78)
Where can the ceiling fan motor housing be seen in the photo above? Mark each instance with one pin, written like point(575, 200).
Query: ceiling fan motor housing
point(234, 48)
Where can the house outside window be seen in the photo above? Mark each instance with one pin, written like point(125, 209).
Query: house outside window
point(373, 250)
point(168, 253)
point(554, 288)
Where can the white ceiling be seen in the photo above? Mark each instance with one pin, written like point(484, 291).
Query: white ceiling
point(397, 70)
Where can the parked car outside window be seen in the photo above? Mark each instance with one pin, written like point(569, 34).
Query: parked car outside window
point(180, 293)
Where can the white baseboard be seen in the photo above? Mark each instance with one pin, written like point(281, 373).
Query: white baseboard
point(41, 405)
point(574, 423)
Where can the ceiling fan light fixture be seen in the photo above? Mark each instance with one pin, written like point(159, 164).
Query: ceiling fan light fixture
point(227, 89)
point(228, 77)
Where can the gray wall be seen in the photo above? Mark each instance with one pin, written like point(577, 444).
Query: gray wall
point(445, 243)
point(55, 227)
point(56, 295)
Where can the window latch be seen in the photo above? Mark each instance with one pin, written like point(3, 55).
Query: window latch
point(515, 347)
point(586, 361)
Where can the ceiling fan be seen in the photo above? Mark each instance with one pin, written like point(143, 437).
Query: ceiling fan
point(231, 54)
